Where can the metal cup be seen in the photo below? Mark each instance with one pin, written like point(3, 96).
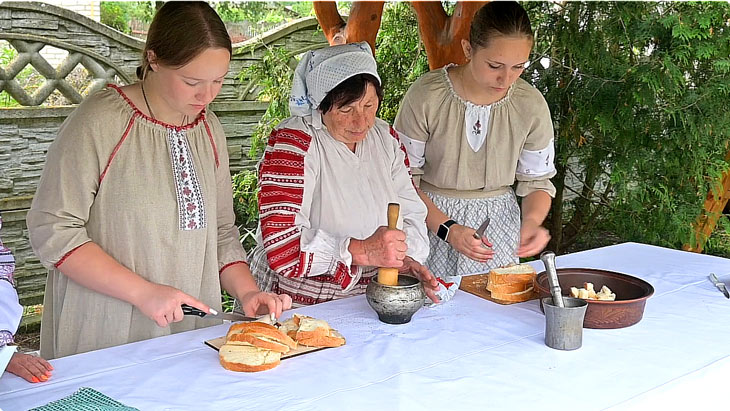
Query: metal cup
point(564, 325)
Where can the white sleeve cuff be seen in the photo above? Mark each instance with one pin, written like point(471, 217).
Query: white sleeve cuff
point(535, 164)
point(416, 150)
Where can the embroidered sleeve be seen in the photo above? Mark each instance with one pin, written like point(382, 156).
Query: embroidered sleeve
point(294, 248)
point(411, 123)
point(412, 208)
point(536, 163)
point(10, 312)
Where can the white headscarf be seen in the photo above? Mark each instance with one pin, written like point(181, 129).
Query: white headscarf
point(321, 70)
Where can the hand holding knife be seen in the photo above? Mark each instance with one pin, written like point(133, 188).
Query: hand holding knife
point(720, 285)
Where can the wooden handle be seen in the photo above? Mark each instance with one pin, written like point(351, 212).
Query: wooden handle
point(393, 211)
point(389, 276)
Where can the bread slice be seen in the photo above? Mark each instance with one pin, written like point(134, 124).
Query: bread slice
point(515, 297)
point(519, 273)
point(312, 332)
point(260, 335)
point(247, 358)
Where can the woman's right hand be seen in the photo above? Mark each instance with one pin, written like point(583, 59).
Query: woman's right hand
point(162, 303)
point(463, 240)
point(385, 248)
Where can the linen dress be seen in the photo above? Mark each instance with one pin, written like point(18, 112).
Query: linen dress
point(155, 197)
point(315, 195)
point(469, 156)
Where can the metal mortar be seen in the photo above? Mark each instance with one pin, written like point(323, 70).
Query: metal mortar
point(396, 304)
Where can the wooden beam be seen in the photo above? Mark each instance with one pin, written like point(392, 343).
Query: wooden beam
point(711, 212)
point(442, 34)
point(362, 24)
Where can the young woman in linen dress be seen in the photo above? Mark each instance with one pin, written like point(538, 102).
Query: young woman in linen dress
point(471, 131)
point(326, 178)
point(134, 212)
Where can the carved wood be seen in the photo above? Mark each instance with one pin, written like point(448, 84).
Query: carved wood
point(442, 34)
point(362, 24)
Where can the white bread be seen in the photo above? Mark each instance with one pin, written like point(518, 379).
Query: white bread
point(312, 332)
point(247, 358)
point(519, 273)
point(260, 335)
point(513, 283)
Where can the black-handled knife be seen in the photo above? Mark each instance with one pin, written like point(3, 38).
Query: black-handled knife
point(189, 310)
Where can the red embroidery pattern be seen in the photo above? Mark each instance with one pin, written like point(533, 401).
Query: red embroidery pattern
point(395, 135)
point(190, 204)
point(281, 182)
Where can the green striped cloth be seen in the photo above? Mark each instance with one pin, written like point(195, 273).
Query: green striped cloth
point(85, 399)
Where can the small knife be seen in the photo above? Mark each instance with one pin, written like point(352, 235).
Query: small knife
point(482, 229)
point(720, 286)
point(188, 310)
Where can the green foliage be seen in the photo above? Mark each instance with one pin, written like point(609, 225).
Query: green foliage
point(263, 15)
point(245, 205)
point(117, 14)
point(638, 92)
point(400, 55)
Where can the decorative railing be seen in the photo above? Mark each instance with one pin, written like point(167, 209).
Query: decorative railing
point(100, 69)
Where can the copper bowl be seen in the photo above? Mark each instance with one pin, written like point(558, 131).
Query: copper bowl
point(631, 295)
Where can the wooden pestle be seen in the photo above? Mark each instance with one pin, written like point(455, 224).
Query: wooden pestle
point(387, 275)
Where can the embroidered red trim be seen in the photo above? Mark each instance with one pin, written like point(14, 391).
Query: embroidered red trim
point(68, 254)
point(117, 147)
point(212, 143)
point(230, 264)
point(188, 126)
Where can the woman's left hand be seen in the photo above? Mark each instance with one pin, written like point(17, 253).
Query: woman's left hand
point(430, 284)
point(258, 303)
point(31, 368)
point(533, 238)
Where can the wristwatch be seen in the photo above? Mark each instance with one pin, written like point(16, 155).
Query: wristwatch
point(443, 232)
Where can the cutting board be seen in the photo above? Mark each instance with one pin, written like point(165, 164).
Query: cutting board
point(477, 285)
point(217, 343)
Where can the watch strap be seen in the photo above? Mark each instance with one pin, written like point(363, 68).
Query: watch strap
point(443, 231)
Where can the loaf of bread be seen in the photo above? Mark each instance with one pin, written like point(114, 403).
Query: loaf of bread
point(254, 346)
point(311, 332)
point(514, 283)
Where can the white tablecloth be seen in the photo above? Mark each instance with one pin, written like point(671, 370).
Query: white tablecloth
point(467, 354)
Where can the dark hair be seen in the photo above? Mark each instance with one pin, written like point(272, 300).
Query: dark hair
point(499, 18)
point(180, 31)
point(350, 90)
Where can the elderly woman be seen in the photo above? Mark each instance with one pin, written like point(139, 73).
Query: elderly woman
point(326, 178)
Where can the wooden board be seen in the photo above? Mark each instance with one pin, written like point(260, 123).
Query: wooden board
point(217, 343)
point(477, 285)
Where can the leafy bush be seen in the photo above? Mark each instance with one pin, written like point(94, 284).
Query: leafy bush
point(638, 92)
point(117, 14)
point(400, 55)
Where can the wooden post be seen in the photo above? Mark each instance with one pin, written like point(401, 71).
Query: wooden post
point(711, 212)
point(442, 34)
point(362, 24)
point(389, 276)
